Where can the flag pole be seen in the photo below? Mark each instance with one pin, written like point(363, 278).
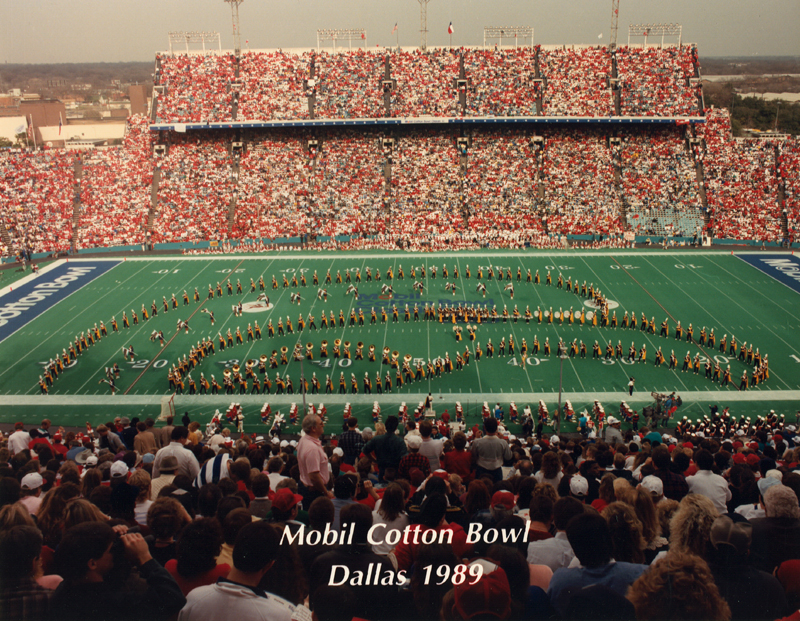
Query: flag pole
point(33, 131)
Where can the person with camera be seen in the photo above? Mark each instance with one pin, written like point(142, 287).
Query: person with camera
point(95, 561)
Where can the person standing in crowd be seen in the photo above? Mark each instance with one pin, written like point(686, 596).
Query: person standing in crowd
point(312, 461)
point(388, 448)
point(490, 451)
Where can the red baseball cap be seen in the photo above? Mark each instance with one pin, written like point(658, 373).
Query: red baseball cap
point(753, 459)
point(285, 499)
point(489, 596)
point(739, 458)
point(503, 499)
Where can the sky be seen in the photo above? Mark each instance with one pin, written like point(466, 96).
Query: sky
point(56, 31)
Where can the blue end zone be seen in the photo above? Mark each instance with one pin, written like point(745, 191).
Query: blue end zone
point(24, 304)
point(782, 267)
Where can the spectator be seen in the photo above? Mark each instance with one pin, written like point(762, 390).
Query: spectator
point(750, 593)
point(187, 462)
point(776, 537)
point(376, 602)
point(678, 587)
point(261, 505)
point(388, 448)
point(144, 441)
point(390, 515)
point(490, 451)
point(691, 524)
point(556, 552)
point(21, 596)
point(240, 596)
point(166, 517)
point(195, 564)
point(674, 484)
point(313, 463)
point(85, 557)
point(706, 483)
point(590, 538)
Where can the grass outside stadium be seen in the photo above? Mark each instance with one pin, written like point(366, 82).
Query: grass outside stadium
point(705, 289)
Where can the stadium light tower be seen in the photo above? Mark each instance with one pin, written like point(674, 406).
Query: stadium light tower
point(614, 22)
point(423, 24)
point(237, 37)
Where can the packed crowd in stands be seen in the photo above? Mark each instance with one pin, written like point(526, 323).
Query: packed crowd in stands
point(198, 87)
point(115, 190)
point(580, 193)
point(273, 188)
point(501, 82)
point(789, 165)
point(655, 81)
point(272, 86)
point(741, 182)
point(577, 81)
point(658, 173)
point(37, 191)
point(425, 83)
point(442, 194)
point(154, 522)
point(194, 191)
point(349, 85)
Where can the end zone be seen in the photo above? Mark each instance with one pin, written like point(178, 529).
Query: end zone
point(783, 267)
point(37, 294)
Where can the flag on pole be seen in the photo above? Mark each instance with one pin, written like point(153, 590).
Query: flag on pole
point(60, 123)
point(450, 28)
point(395, 28)
point(363, 35)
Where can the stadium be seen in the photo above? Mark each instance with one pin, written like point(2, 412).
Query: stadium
point(564, 239)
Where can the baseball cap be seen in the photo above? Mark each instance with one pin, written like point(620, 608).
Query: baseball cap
point(491, 595)
point(612, 420)
point(414, 442)
point(32, 480)
point(554, 439)
point(338, 451)
point(765, 483)
point(91, 461)
point(503, 499)
point(578, 485)
point(148, 458)
point(654, 485)
point(119, 469)
point(285, 499)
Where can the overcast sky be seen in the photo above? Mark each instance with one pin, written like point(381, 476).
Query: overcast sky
point(54, 31)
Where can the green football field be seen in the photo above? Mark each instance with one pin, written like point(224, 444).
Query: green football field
point(703, 288)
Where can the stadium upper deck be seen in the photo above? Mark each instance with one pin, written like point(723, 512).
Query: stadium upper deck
point(389, 85)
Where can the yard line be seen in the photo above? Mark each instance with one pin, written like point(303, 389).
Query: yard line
point(197, 310)
point(518, 341)
point(299, 334)
point(130, 331)
point(539, 295)
point(474, 359)
point(711, 283)
point(30, 351)
point(647, 336)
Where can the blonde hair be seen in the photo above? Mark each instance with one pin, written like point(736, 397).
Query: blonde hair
point(141, 480)
point(691, 525)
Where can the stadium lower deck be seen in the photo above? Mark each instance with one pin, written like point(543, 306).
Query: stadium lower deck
point(701, 289)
